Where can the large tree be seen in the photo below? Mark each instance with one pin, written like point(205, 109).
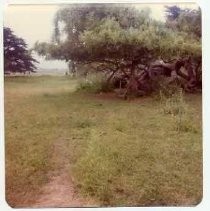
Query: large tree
point(187, 21)
point(16, 56)
point(119, 40)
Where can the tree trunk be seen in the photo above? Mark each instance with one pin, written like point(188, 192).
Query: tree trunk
point(132, 85)
point(111, 76)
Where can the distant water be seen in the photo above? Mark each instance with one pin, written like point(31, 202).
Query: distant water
point(50, 72)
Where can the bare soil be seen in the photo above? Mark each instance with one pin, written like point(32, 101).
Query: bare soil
point(60, 190)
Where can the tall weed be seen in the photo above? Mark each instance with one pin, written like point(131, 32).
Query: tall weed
point(172, 102)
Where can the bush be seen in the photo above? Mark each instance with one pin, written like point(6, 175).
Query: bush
point(95, 83)
point(165, 86)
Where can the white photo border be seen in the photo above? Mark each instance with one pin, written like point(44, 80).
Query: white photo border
point(205, 9)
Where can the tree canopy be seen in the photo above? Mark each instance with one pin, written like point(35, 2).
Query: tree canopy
point(122, 39)
point(16, 56)
point(87, 32)
point(185, 20)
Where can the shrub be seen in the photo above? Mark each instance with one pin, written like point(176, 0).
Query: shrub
point(166, 87)
point(95, 83)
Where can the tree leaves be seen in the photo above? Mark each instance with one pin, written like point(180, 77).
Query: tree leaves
point(96, 32)
point(16, 56)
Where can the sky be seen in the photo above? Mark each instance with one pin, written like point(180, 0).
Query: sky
point(35, 23)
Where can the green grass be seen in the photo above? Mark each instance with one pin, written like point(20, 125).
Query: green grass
point(122, 153)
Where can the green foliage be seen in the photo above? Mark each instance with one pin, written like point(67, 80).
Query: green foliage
point(184, 20)
point(164, 89)
point(122, 38)
point(95, 84)
point(189, 21)
point(110, 40)
point(17, 58)
point(97, 32)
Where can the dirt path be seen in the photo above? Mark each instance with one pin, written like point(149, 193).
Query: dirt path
point(60, 190)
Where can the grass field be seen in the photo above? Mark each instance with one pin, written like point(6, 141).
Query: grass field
point(122, 153)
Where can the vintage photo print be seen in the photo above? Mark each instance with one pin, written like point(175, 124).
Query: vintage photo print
point(103, 104)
